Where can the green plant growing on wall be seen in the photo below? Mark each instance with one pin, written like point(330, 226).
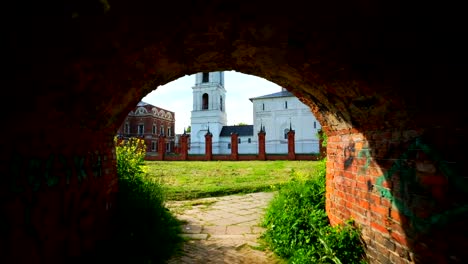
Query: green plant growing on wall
point(297, 226)
point(322, 136)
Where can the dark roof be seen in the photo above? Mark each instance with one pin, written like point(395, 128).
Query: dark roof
point(273, 95)
point(241, 130)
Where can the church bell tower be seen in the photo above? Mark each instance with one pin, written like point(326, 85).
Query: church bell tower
point(209, 110)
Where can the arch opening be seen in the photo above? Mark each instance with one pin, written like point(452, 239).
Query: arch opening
point(367, 87)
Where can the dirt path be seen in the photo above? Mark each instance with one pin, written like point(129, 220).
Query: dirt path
point(223, 229)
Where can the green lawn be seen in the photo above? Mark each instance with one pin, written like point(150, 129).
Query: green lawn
point(184, 180)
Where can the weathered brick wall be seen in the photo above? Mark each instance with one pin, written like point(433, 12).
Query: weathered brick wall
point(404, 191)
point(57, 204)
point(363, 67)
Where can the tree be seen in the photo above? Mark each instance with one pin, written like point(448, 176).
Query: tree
point(242, 124)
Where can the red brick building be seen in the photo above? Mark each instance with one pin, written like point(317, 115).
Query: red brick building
point(149, 122)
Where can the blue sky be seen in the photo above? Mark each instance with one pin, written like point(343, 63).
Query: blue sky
point(176, 96)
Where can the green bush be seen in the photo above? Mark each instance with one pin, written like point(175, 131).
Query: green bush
point(147, 231)
point(297, 226)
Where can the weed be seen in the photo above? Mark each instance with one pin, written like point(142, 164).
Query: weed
point(147, 231)
point(297, 226)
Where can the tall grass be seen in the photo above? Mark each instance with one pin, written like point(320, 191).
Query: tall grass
point(297, 227)
point(147, 231)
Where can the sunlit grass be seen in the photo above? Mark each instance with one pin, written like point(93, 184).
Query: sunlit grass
point(183, 180)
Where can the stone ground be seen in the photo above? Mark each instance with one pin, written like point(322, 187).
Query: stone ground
point(223, 229)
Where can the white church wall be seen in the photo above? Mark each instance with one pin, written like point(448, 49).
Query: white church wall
point(245, 147)
point(278, 115)
point(224, 145)
point(275, 114)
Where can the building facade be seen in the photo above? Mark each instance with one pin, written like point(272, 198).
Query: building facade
point(149, 123)
point(280, 112)
point(276, 113)
point(209, 111)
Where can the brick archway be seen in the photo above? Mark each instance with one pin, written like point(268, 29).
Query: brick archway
point(395, 149)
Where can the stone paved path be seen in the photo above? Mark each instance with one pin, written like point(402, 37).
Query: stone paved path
point(223, 229)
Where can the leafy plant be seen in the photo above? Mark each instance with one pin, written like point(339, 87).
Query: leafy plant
point(297, 226)
point(130, 156)
point(322, 136)
point(147, 231)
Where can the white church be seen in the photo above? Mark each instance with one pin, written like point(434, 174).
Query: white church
point(275, 113)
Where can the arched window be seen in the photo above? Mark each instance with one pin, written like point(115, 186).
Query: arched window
point(205, 101)
point(286, 133)
point(221, 103)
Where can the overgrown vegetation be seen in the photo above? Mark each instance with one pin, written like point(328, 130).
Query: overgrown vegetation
point(147, 231)
point(297, 227)
point(322, 136)
point(183, 180)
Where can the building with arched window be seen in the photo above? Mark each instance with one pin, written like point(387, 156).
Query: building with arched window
point(149, 122)
point(276, 113)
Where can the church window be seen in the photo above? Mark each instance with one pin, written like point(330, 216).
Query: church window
point(154, 129)
point(141, 129)
point(169, 131)
point(153, 145)
point(229, 145)
point(239, 140)
point(315, 124)
point(286, 133)
point(263, 107)
point(161, 130)
point(249, 141)
point(205, 101)
point(285, 104)
point(205, 78)
point(221, 103)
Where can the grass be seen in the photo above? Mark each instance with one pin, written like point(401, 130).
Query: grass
point(185, 180)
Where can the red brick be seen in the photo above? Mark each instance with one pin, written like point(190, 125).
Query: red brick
point(395, 215)
point(379, 209)
point(379, 228)
point(401, 239)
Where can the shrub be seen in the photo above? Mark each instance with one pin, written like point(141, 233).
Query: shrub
point(297, 226)
point(147, 231)
point(130, 156)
